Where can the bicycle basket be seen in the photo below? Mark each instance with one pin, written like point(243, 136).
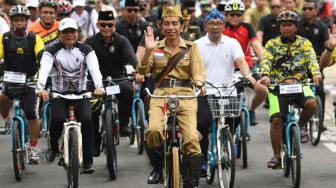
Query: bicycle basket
point(227, 106)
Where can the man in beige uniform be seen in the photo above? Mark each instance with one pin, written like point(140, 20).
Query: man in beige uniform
point(190, 70)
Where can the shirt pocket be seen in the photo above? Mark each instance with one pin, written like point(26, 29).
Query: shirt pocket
point(184, 65)
point(159, 66)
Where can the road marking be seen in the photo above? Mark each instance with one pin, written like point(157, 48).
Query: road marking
point(330, 146)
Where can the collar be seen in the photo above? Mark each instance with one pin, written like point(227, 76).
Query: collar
point(101, 40)
point(182, 43)
point(287, 40)
point(74, 46)
point(208, 41)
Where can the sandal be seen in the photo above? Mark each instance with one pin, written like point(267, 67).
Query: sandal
point(304, 136)
point(274, 163)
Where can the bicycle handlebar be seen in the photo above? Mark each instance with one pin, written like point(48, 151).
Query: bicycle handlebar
point(72, 96)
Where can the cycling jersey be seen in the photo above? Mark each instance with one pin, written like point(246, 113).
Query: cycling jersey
point(49, 36)
point(245, 35)
point(21, 54)
point(69, 68)
point(289, 59)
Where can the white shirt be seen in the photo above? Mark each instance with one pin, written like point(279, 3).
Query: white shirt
point(84, 21)
point(219, 58)
point(3, 26)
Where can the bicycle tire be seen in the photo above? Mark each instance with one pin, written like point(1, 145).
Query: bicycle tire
point(296, 159)
point(17, 151)
point(243, 133)
point(73, 166)
point(110, 147)
point(176, 167)
point(225, 154)
point(140, 129)
point(210, 170)
point(316, 125)
point(286, 162)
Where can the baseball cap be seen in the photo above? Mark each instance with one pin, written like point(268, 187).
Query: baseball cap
point(78, 3)
point(67, 23)
point(32, 3)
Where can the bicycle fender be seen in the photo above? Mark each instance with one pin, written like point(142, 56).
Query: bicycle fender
point(22, 125)
point(248, 123)
point(288, 128)
point(77, 127)
point(45, 116)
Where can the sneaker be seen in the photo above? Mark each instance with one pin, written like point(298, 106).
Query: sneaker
point(33, 155)
point(88, 169)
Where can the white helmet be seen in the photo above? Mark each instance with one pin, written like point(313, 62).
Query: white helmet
point(234, 5)
point(19, 10)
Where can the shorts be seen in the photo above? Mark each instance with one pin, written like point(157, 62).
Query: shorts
point(278, 104)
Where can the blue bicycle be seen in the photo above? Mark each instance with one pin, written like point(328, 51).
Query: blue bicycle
point(291, 135)
point(15, 85)
point(138, 120)
point(45, 118)
point(224, 102)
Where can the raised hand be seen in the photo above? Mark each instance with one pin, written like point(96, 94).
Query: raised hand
point(150, 42)
point(332, 40)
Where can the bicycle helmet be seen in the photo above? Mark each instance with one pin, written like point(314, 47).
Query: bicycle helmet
point(64, 7)
point(235, 5)
point(48, 3)
point(288, 16)
point(19, 10)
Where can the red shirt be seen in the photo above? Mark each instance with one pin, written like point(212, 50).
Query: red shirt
point(245, 35)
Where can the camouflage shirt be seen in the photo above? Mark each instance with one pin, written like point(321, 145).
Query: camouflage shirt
point(289, 60)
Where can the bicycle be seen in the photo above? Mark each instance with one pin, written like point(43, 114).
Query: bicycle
point(14, 85)
point(138, 120)
point(45, 122)
point(224, 102)
point(71, 150)
point(173, 139)
point(291, 141)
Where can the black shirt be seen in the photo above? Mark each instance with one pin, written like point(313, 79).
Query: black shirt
point(114, 55)
point(317, 33)
point(133, 33)
point(269, 26)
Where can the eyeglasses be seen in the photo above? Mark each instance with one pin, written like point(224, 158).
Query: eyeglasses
point(108, 25)
point(307, 8)
point(132, 10)
point(233, 14)
point(213, 24)
point(275, 6)
point(68, 31)
point(48, 12)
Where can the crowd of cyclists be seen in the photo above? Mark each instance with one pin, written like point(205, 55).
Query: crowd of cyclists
point(72, 42)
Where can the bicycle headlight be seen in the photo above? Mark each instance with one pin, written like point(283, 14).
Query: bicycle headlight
point(173, 103)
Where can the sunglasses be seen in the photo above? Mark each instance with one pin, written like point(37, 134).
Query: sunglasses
point(307, 8)
point(232, 14)
point(108, 25)
point(275, 6)
point(69, 31)
point(132, 10)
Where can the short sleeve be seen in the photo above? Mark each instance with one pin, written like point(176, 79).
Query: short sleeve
point(251, 32)
point(237, 51)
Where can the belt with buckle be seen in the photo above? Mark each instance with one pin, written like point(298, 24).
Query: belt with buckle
point(165, 83)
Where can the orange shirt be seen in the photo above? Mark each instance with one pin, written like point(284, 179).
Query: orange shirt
point(49, 36)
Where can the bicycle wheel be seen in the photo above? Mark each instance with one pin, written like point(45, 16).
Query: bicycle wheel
point(243, 134)
point(295, 157)
point(176, 168)
point(17, 149)
point(210, 170)
point(315, 124)
point(140, 128)
point(110, 147)
point(286, 162)
point(73, 166)
point(226, 159)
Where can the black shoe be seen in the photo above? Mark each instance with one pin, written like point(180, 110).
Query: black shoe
point(155, 177)
point(253, 120)
point(324, 128)
point(191, 169)
point(50, 155)
point(88, 169)
point(125, 131)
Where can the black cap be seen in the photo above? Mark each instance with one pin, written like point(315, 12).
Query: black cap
point(11, 2)
point(105, 15)
point(188, 3)
point(131, 3)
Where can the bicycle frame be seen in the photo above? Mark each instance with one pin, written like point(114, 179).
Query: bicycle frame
point(286, 127)
point(22, 123)
point(137, 99)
